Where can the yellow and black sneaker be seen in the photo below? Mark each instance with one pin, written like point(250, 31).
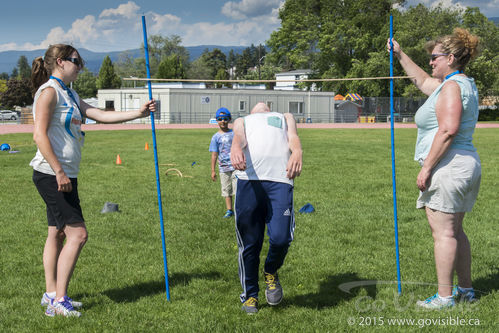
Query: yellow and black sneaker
point(273, 292)
point(250, 306)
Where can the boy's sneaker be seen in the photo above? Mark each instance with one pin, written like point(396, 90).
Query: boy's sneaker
point(250, 306)
point(464, 295)
point(436, 303)
point(63, 308)
point(228, 213)
point(46, 299)
point(273, 292)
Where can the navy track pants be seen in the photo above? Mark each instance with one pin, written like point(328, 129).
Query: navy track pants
point(259, 204)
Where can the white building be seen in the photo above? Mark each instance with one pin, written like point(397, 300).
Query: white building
point(183, 105)
point(287, 80)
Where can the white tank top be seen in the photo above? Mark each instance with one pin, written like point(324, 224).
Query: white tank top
point(267, 150)
point(64, 133)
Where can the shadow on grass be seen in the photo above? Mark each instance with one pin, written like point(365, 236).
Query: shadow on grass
point(329, 294)
point(484, 286)
point(137, 291)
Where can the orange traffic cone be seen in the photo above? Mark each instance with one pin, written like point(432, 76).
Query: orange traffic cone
point(147, 146)
point(118, 159)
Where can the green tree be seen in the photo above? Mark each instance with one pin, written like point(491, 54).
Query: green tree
point(4, 76)
point(18, 93)
point(128, 66)
point(221, 75)
point(243, 63)
point(231, 61)
point(250, 59)
point(86, 84)
point(199, 69)
point(414, 28)
point(294, 44)
point(161, 47)
point(420, 24)
point(267, 72)
point(485, 68)
point(171, 67)
point(350, 34)
point(214, 60)
point(14, 73)
point(24, 68)
point(107, 77)
point(338, 38)
point(3, 85)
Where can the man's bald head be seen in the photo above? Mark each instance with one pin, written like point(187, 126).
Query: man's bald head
point(259, 108)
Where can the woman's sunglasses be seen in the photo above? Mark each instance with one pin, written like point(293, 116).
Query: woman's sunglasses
point(436, 55)
point(223, 118)
point(75, 61)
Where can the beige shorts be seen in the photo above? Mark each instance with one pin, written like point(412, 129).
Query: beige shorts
point(455, 182)
point(228, 182)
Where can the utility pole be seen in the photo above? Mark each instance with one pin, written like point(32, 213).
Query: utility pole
point(259, 59)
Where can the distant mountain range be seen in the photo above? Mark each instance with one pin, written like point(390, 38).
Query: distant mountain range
point(93, 60)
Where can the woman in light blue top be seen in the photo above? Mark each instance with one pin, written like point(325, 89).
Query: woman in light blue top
point(450, 167)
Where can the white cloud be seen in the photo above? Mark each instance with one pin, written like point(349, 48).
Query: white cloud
point(255, 28)
point(128, 10)
point(242, 33)
point(120, 28)
point(447, 4)
point(162, 23)
point(249, 8)
point(484, 5)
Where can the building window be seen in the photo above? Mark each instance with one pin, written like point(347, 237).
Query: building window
point(109, 106)
point(270, 105)
point(242, 105)
point(296, 107)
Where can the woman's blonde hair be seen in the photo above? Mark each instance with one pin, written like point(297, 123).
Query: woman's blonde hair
point(462, 44)
point(43, 67)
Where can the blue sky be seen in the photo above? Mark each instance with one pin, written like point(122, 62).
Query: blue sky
point(113, 25)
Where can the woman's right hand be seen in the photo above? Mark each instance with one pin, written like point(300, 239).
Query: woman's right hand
point(63, 182)
point(396, 46)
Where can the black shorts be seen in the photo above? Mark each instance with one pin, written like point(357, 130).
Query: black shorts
point(62, 207)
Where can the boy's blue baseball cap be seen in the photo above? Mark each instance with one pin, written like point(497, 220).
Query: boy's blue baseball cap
point(223, 112)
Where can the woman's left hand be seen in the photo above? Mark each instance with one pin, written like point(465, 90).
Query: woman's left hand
point(149, 106)
point(424, 179)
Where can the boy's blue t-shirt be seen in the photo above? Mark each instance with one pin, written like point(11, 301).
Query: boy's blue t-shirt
point(221, 143)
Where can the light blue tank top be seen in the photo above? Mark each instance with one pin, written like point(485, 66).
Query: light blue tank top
point(426, 118)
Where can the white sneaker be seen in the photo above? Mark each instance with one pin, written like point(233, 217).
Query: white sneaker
point(435, 302)
point(46, 299)
point(63, 308)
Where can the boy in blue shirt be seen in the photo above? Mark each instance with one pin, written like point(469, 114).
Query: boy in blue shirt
point(220, 145)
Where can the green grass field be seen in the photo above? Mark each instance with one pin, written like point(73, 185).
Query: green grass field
point(348, 240)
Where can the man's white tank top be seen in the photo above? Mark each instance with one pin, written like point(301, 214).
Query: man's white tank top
point(64, 133)
point(267, 150)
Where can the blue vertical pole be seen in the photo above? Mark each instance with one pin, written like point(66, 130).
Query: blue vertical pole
point(394, 183)
point(153, 129)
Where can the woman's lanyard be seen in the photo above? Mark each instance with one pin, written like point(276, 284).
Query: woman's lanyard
point(452, 74)
point(63, 85)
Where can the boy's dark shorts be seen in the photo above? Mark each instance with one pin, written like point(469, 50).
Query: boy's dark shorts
point(62, 207)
